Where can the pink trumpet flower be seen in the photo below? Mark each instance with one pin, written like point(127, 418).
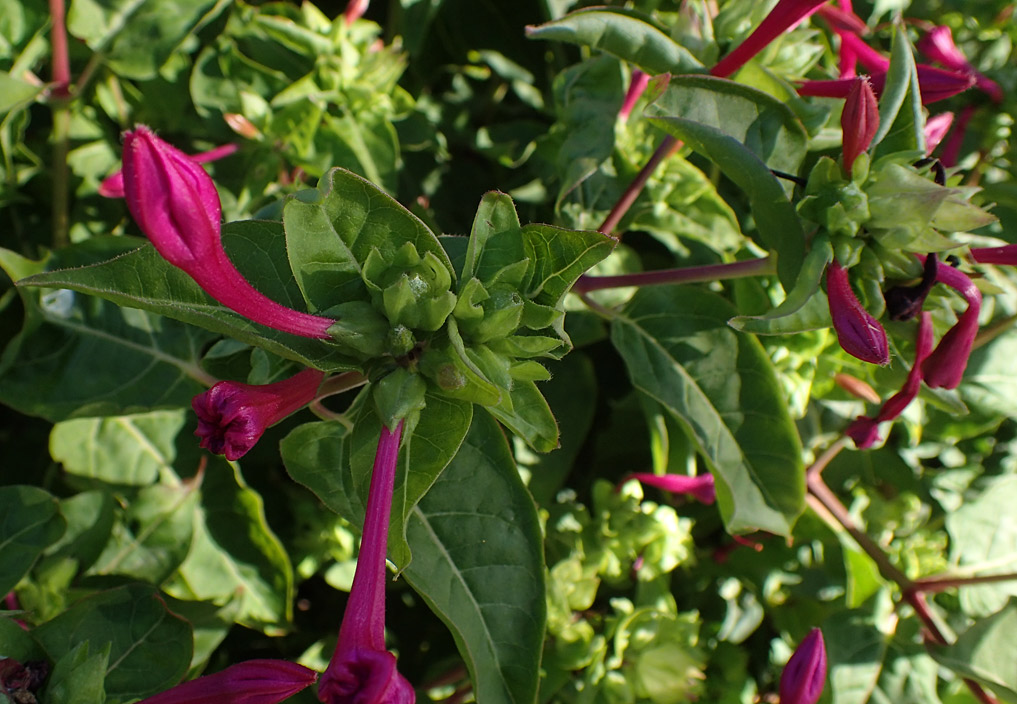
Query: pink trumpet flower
point(786, 14)
point(805, 673)
point(859, 120)
point(938, 45)
point(945, 366)
point(700, 487)
point(113, 185)
point(859, 334)
point(935, 84)
point(865, 430)
point(233, 416)
point(361, 670)
point(175, 203)
point(250, 682)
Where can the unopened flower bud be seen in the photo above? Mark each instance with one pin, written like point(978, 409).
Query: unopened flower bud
point(859, 120)
point(805, 673)
point(945, 367)
point(859, 333)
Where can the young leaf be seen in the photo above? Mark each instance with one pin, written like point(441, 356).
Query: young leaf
point(31, 523)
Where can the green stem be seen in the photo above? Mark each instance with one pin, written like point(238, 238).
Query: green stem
point(685, 275)
point(61, 141)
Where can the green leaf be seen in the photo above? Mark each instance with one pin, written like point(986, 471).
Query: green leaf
point(527, 414)
point(560, 256)
point(478, 564)
point(90, 516)
point(31, 522)
point(78, 677)
point(150, 647)
point(761, 123)
point(125, 450)
point(80, 356)
point(136, 38)
point(986, 652)
point(901, 119)
point(496, 220)
point(721, 385)
point(143, 279)
point(15, 92)
point(777, 225)
point(989, 382)
point(235, 558)
point(331, 231)
point(856, 648)
point(627, 35)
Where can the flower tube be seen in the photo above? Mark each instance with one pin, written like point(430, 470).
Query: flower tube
point(785, 15)
point(1007, 254)
point(250, 682)
point(938, 46)
point(232, 416)
point(859, 334)
point(945, 367)
point(176, 205)
point(361, 670)
point(805, 673)
point(113, 185)
point(700, 487)
point(935, 84)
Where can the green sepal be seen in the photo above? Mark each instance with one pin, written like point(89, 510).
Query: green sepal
point(397, 396)
point(525, 412)
point(446, 363)
point(360, 329)
point(538, 317)
point(412, 290)
point(838, 205)
point(525, 346)
point(528, 370)
point(503, 311)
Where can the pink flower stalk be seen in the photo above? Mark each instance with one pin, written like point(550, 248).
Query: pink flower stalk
point(859, 120)
point(113, 185)
point(865, 430)
point(250, 682)
point(636, 87)
point(361, 670)
point(786, 14)
point(939, 47)
point(233, 416)
point(175, 203)
point(936, 127)
point(945, 367)
point(700, 487)
point(805, 673)
point(859, 334)
point(1007, 254)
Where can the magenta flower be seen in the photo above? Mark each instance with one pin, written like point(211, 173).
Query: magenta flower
point(785, 15)
point(859, 334)
point(952, 147)
point(936, 127)
point(233, 416)
point(935, 84)
point(355, 9)
point(865, 430)
point(805, 673)
point(636, 87)
point(113, 185)
point(175, 203)
point(701, 487)
point(843, 20)
point(250, 682)
point(859, 120)
point(938, 46)
point(945, 366)
point(361, 670)
point(1007, 254)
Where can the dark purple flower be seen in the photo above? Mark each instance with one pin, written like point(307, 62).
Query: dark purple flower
point(805, 673)
point(859, 333)
point(945, 367)
point(785, 15)
point(176, 205)
point(361, 670)
point(864, 430)
point(859, 120)
point(233, 416)
point(938, 45)
point(701, 487)
point(250, 682)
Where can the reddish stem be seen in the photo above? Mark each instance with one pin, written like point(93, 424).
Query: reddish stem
point(668, 147)
point(58, 41)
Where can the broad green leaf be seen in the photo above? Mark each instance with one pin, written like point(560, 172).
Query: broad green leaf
point(153, 534)
point(15, 92)
point(560, 256)
point(330, 232)
point(79, 356)
point(986, 652)
point(721, 385)
point(777, 225)
point(983, 540)
point(143, 279)
point(477, 562)
point(989, 382)
point(31, 522)
point(496, 218)
point(235, 559)
point(528, 416)
point(90, 516)
point(760, 122)
point(136, 38)
point(804, 308)
point(626, 35)
point(317, 456)
point(855, 649)
point(364, 142)
point(78, 676)
point(901, 119)
point(150, 647)
point(122, 450)
point(17, 643)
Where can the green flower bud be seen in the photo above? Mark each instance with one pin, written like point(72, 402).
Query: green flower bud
point(413, 291)
point(398, 395)
point(359, 328)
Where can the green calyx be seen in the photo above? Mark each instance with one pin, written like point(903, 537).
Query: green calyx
point(413, 291)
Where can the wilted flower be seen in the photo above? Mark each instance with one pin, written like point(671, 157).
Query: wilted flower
point(938, 45)
point(233, 416)
point(250, 682)
point(865, 430)
point(859, 120)
point(859, 333)
point(361, 670)
point(805, 673)
point(945, 366)
point(701, 487)
point(175, 203)
point(786, 14)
